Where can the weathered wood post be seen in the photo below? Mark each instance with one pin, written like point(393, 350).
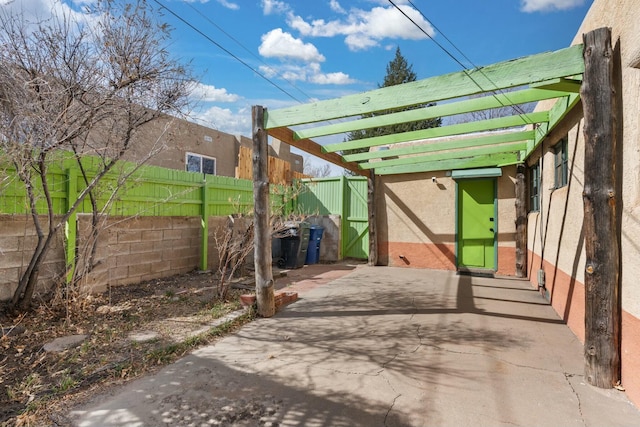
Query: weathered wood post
point(373, 235)
point(521, 221)
point(602, 312)
point(262, 231)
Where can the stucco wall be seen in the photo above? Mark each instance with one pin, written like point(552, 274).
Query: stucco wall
point(169, 139)
point(416, 220)
point(556, 243)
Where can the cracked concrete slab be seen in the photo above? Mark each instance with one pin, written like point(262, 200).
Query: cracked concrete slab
point(381, 346)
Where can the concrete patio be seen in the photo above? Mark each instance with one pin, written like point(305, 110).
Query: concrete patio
point(381, 346)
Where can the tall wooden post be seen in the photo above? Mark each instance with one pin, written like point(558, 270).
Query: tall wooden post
point(371, 207)
point(521, 221)
point(602, 312)
point(262, 231)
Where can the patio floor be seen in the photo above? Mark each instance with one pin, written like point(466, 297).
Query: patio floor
point(381, 346)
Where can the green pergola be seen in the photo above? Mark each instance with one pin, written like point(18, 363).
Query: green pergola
point(555, 75)
point(576, 83)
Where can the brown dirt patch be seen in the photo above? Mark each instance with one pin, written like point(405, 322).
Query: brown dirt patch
point(38, 387)
point(37, 384)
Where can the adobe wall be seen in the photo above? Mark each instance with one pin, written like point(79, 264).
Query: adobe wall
point(169, 139)
point(556, 242)
point(416, 220)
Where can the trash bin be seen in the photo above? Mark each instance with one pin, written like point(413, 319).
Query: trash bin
point(293, 244)
point(313, 251)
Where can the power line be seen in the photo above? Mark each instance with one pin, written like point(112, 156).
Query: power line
point(246, 49)
point(516, 108)
point(184, 21)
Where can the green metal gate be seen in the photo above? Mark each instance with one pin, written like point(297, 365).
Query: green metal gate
point(344, 196)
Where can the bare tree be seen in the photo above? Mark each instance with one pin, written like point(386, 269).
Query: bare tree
point(316, 170)
point(79, 85)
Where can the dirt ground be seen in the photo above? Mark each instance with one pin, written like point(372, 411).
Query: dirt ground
point(174, 313)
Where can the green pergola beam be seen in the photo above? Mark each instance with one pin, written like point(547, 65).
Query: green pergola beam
point(559, 110)
point(448, 155)
point(561, 84)
point(519, 72)
point(466, 163)
point(459, 129)
point(490, 101)
point(432, 146)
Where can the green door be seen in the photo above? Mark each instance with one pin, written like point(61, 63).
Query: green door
point(477, 225)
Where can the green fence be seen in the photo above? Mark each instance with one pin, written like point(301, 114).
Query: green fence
point(344, 196)
point(146, 191)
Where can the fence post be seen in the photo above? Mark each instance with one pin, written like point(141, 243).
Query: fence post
point(71, 225)
point(204, 225)
point(343, 216)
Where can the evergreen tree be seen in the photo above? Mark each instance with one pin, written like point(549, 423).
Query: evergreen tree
point(399, 71)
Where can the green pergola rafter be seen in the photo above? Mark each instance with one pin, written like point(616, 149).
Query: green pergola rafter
point(484, 143)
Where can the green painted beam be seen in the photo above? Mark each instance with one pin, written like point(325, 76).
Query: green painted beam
point(559, 110)
point(459, 129)
point(518, 72)
point(431, 146)
point(565, 85)
point(489, 160)
point(448, 155)
point(440, 110)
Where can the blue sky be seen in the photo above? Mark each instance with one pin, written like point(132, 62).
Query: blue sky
point(320, 49)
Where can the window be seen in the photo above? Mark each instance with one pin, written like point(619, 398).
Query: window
point(534, 189)
point(199, 163)
point(560, 163)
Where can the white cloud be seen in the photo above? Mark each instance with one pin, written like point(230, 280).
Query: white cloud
point(225, 120)
point(335, 6)
point(274, 6)
point(549, 5)
point(228, 4)
point(279, 44)
point(41, 10)
point(310, 72)
point(339, 78)
point(365, 29)
point(209, 93)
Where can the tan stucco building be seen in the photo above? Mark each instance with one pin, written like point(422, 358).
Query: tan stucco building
point(180, 144)
point(417, 214)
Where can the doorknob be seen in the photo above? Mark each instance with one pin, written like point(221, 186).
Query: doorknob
point(491, 230)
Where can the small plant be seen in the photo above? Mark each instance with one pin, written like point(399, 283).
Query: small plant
point(27, 388)
point(66, 383)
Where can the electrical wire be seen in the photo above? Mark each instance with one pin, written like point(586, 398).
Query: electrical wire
point(246, 49)
point(228, 52)
point(516, 108)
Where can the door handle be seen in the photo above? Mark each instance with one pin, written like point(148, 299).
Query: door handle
point(492, 230)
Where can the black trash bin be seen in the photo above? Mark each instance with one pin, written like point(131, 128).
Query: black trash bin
point(313, 252)
point(293, 244)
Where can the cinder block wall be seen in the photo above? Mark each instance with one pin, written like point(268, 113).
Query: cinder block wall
point(129, 250)
point(18, 239)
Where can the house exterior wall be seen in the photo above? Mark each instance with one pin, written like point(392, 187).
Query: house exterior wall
point(416, 220)
point(166, 141)
point(555, 239)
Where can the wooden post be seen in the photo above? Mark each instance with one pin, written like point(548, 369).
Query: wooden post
point(262, 231)
point(371, 207)
point(602, 312)
point(521, 221)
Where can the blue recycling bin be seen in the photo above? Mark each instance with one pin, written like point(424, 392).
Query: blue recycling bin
point(313, 251)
